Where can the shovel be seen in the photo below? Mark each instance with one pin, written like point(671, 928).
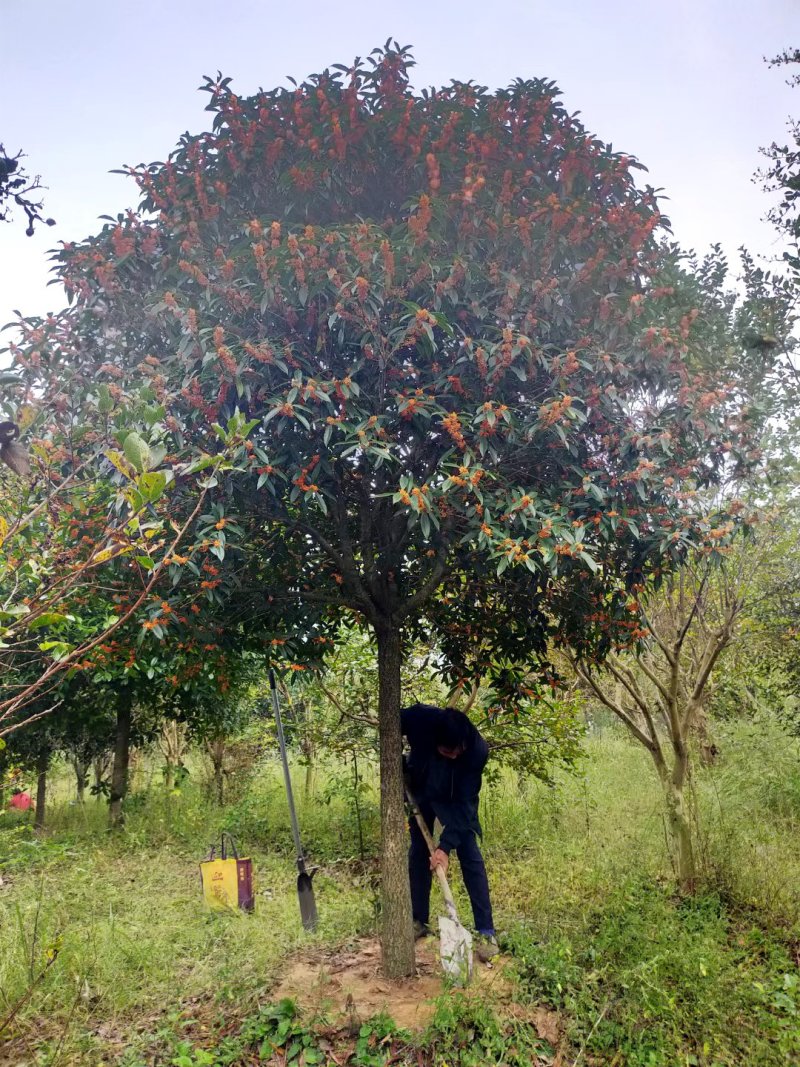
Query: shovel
point(305, 890)
point(455, 941)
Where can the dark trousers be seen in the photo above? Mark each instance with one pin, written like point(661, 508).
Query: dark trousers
point(473, 870)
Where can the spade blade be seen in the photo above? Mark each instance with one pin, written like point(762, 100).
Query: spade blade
point(455, 950)
point(308, 906)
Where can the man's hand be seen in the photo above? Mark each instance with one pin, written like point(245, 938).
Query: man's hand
point(440, 859)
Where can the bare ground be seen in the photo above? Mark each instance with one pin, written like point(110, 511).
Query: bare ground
point(346, 986)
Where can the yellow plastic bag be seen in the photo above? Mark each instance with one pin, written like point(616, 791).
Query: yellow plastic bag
point(228, 881)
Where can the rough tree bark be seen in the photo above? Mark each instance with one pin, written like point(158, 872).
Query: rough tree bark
point(42, 763)
point(122, 748)
point(397, 937)
point(680, 828)
point(99, 770)
point(81, 768)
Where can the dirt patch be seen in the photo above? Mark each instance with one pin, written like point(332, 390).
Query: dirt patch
point(348, 987)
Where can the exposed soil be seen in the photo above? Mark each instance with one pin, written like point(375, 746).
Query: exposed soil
point(347, 986)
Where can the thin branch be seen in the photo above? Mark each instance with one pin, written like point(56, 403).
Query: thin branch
point(344, 712)
point(613, 706)
point(10, 707)
point(663, 693)
point(690, 617)
point(658, 638)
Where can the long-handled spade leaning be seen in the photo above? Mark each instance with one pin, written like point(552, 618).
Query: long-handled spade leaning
point(455, 941)
point(305, 890)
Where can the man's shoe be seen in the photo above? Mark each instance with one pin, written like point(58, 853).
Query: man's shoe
point(486, 947)
point(421, 930)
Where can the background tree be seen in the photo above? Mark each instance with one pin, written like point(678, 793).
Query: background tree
point(783, 171)
point(762, 675)
point(32, 752)
point(19, 189)
point(84, 727)
point(99, 502)
point(660, 686)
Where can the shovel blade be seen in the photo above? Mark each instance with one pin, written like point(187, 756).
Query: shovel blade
point(308, 906)
point(455, 950)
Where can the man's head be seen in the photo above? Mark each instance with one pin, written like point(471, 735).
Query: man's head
point(452, 733)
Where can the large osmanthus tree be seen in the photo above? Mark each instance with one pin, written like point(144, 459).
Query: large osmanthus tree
point(436, 312)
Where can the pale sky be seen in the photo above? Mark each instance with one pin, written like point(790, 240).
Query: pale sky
point(89, 85)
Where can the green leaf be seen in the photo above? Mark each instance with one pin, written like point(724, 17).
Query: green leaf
point(49, 618)
point(152, 485)
point(60, 649)
point(199, 464)
point(105, 402)
point(16, 611)
point(137, 451)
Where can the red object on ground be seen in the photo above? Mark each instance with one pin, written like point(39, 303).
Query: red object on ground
point(20, 801)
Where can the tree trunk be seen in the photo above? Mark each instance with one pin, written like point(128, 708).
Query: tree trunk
point(216, 753)
point(81, 768)
point(173, 743)
point(397, 938)
point(308, 787)
point(678, 818)
point(119, 770)
point(307, 747)
point(702, 730)
point(680, 829)
point(356, 801)
point(42, 764)
point(99, 770)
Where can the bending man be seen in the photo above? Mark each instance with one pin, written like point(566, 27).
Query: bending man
point(444, 768)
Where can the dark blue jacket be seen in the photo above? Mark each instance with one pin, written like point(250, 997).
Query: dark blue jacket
point(449, 786)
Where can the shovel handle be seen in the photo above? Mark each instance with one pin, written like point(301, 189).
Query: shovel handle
point(450, 904)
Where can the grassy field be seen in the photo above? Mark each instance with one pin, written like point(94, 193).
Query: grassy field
point(583, 889)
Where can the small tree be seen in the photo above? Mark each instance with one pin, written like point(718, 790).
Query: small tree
point(660, 691)
point(84, 724)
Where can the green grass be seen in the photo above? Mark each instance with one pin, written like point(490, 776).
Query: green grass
point(582, 885)
point(126, 912)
